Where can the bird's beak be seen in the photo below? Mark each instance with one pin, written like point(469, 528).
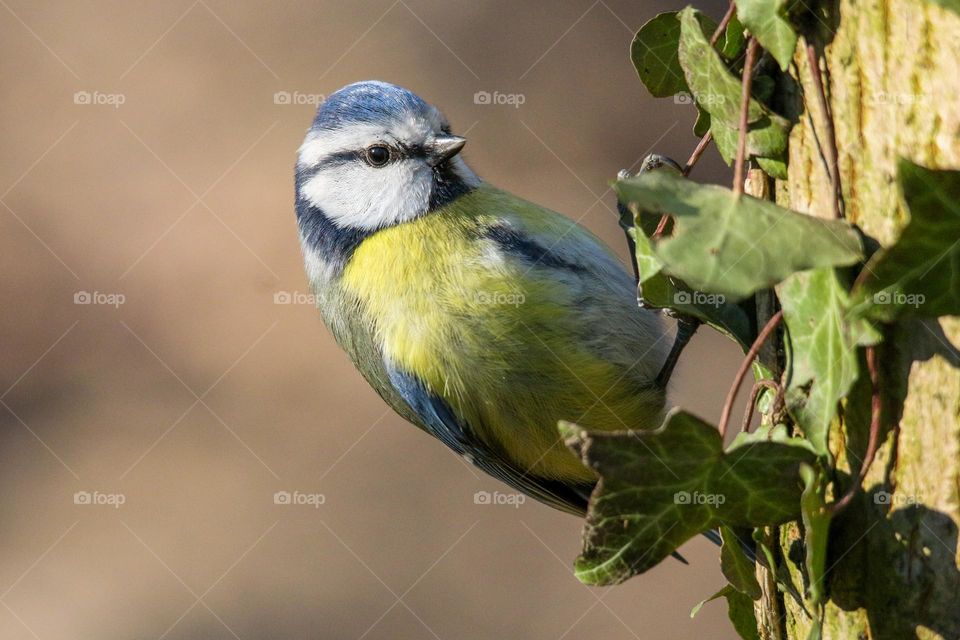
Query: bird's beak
point(442, 148)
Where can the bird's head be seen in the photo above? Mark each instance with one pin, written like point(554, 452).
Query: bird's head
point(377, 155)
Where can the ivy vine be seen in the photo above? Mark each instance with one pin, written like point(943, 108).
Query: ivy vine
point(837, 298)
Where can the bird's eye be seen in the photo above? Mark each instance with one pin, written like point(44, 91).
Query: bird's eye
point(377, 155)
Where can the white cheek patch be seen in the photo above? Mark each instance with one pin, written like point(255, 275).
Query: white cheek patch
point(355, 195)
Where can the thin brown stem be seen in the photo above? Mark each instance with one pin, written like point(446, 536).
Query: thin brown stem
point(832, 153)
point(748, 359)
point(754, 393)
point(727, 17)
point(661, 226)
point(697, 152)
point(738, 168)
point(687, 168)
point(876, 404)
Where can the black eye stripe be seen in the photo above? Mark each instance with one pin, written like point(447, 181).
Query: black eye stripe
point(400, 151)
point(339, 158)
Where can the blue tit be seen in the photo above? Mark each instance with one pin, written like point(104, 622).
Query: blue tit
point(478, 316)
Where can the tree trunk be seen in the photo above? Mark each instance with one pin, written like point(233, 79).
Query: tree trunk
point(892, 79)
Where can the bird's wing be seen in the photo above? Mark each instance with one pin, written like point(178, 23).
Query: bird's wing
point(437, 417)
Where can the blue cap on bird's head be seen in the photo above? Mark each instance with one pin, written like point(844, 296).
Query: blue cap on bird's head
point(372, 101)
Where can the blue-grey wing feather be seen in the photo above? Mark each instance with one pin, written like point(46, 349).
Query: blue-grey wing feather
point(439, 420)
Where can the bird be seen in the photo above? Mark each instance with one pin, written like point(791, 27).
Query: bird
point(480, 317)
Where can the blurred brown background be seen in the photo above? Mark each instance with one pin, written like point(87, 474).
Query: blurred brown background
point(147, 169)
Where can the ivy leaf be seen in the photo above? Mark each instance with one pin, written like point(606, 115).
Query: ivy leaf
point(919, 275)
point(717, 91)
point(767, 20)
point(774, 167)
point(712, 84)
point(822, 347)
point(732, 40)
point(664, 292)
point(657, 489)
point(654, 52)
point(766, 143)
point(736, 566)
point(734, 245)
point(702, 125)
point(654, 55)
point(739, 610)
point(659, 291)
point(771, 433)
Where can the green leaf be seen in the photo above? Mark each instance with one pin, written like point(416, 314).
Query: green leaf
point(767, 20)
point(654, 55)
point(710, 82)
point(919, 275)
point(657, 489)
point(771, 433)
point(660, 291)
point(648, 264)
point(762, 142)
point(816, 525)
point(739, 610)
point(822, 347)
point(717, 91)
point(734, 245)
point(719, 594)
point(657, 290)
point(736, 567)
point(773, 167)
point(702, 125)
point(732, 40)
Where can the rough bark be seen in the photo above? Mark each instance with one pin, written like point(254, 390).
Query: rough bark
point(893, 77)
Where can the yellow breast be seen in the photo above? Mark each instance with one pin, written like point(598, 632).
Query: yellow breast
point(500, 342)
